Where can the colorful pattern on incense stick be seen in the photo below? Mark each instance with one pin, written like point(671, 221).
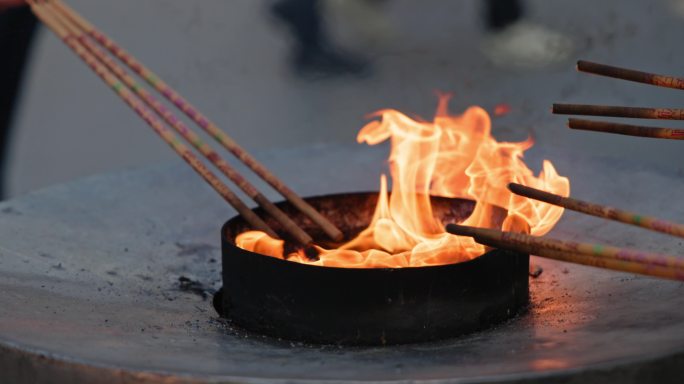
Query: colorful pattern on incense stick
point(205, 149)
point(626, 129)
point(624, 254)
point(630, 74)
point(598, 255)
point(619, 111)
point(153, 80)
point(629, 112)
point(299, 235)
point(593, 261)
point(597, 210)
point(214, 131)
point(210, 127)
point(129, 98)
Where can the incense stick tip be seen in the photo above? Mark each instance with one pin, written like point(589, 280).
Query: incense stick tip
point(311, 252)
point(460, 230)
point(513, 187)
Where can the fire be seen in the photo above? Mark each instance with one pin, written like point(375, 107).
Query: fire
point(452, 156)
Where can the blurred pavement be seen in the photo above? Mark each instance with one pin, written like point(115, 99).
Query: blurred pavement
point(229, 59)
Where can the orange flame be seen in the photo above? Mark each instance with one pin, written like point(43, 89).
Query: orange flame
point(452, 156)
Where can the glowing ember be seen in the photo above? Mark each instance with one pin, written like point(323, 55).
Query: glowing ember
point(452, 156)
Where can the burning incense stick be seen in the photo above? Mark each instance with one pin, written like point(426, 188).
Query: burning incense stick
point(630, 75)
point(614, 111)
point(626, 129)
point(132, 101)
point(201, 120)
point(627, 260)
point(602, 211)
point(288, 225)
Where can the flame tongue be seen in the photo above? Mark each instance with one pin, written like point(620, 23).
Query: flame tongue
point(453, 156)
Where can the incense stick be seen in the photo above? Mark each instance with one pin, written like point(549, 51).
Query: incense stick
point(597, 250)
point(592, 261)
point(201, 120)
point(647, 222)
point(603, 256)
point(615, 111)
point(288, 225)
point(133, 102)
point(630, 75)
point(627, 129)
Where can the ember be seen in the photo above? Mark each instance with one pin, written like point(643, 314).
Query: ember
point(452, 156)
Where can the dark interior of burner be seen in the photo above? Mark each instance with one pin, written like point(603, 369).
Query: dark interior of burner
point(368, 306)
point(352, 214)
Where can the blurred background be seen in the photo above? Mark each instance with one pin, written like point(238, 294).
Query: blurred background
point(294, 73)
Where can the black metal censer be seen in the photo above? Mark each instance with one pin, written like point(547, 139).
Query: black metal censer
point(355, 306)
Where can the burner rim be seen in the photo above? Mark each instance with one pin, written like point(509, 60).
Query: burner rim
point(231, 241)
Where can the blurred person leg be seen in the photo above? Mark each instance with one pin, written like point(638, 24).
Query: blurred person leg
point(515, 42)
point(500, 14)
point(17, 27)
point(313, 52)
point(677, 6)
point(366, 19)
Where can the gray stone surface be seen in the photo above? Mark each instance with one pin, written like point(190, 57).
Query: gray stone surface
point(89, 280)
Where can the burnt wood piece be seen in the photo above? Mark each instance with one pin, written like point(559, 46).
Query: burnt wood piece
point(351, 306)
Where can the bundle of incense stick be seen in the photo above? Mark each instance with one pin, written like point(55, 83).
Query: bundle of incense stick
point(85, 41)
point(596, 255)
point(629, 112)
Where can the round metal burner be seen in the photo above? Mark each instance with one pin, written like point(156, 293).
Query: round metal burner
point(362, 306)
